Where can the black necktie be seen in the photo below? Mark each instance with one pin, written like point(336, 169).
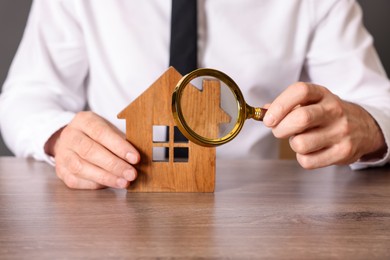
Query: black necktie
point(183, 47)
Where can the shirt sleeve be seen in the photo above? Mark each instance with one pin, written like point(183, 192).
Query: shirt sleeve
point(45, 85)
point(342, 58)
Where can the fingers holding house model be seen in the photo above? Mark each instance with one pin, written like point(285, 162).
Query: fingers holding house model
point(91, 153)
point(323, 129)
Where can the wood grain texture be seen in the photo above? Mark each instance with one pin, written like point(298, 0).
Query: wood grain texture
point(260, 209)
point(202, 109)
point(153, 108)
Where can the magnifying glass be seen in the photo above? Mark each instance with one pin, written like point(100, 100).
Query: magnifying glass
point(209, 108)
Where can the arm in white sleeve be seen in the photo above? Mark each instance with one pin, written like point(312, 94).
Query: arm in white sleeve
point(342, 58)
point(45, 84)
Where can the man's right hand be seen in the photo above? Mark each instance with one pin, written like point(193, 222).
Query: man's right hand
point(91, 153)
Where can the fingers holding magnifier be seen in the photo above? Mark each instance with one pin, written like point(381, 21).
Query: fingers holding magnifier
point(294, 96)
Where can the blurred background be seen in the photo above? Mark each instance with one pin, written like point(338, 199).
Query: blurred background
point(13, 16)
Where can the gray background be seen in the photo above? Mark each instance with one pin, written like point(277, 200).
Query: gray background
point(13, 15)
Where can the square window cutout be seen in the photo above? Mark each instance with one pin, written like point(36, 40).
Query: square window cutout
point(160, 154)
point(160, 133)
point(180, 154)
point(179, 137)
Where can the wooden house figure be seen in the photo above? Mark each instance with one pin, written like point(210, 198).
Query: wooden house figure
point(152, 111)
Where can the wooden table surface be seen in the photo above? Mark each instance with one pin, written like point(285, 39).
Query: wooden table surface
point(260, 209)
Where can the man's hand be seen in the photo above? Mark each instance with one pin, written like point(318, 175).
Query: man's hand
point(91, 153)
point(323, 129)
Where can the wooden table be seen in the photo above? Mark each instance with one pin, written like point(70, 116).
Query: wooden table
point(269, 209)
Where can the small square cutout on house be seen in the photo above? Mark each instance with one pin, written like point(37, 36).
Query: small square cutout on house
point(160, 133)
point(179, 137)
point(160, 154)
point(180, 154)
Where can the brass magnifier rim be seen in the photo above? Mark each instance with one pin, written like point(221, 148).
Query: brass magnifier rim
point(178, 113)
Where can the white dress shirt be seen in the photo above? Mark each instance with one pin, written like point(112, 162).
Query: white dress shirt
point(104, 54)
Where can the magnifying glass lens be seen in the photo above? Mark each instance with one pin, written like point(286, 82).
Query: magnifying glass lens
point(209, 107)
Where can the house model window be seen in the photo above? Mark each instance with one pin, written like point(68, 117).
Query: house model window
point(167, 147)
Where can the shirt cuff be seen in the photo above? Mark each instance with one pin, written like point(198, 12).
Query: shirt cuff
point(383, 122)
